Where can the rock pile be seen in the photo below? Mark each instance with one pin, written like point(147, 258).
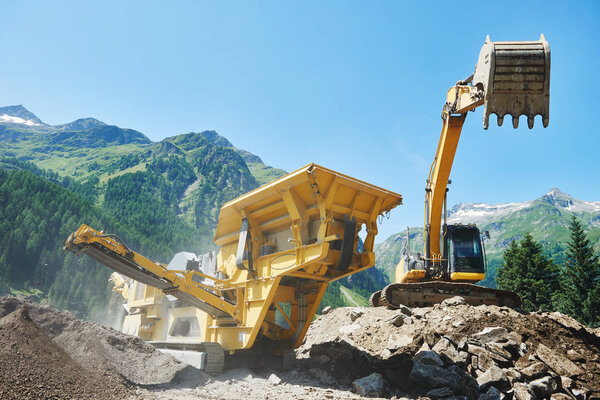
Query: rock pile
point(33, 366)
point(457, 351)
point(102, 348)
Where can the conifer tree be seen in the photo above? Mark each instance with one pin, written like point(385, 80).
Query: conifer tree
point(580, 283)
point(527, 272)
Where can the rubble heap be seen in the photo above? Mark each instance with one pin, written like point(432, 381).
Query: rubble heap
point(454, 350)
point(102, 348)
point(33, 366)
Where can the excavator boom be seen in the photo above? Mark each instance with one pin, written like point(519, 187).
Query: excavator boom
point(510, 78)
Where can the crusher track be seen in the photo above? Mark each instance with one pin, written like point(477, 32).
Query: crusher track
point(426, 294)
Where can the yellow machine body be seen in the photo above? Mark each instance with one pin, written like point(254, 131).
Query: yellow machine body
point(281, 245)
point(510, 78)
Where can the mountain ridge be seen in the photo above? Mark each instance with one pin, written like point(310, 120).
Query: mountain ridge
point(547, 218)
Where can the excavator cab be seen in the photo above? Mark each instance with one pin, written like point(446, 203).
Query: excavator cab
point(464, 253)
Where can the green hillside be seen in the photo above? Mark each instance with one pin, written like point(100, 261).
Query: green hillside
point(161, 198)
point(546, 218)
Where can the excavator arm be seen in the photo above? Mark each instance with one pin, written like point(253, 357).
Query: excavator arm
point(510, 78)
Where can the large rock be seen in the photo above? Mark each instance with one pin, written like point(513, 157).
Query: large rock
point(468, 384)
point(559, 363)
point(355, 314)
point(521, 392)
point(492, 394)
point(440, 393)
point(492, 334)
point(454, 301)
point(397, 320)
point(494, 376)
point(543, 387)
point(434, 376)
point(484, 359)
point(534, 371)
point(369, 386)
point(428, 358)
point(396, 341)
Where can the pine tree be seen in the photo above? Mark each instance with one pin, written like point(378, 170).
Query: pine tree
point(527, 272)
point(580, 283)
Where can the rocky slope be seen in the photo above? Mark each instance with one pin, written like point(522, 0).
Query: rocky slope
point(454, 349)
point(451, 351)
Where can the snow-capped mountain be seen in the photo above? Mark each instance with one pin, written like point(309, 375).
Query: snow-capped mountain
point(547, 218)
point(480, 212)
point(19, 115)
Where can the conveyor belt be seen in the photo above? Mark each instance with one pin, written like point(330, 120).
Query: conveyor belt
point(134, 271)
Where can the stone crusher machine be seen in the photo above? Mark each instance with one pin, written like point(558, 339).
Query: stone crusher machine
point(510, 78)
point(280, 246)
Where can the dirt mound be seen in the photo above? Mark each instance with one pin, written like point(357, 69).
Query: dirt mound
point(425, 351)
point(33, 366)
point(102, 348)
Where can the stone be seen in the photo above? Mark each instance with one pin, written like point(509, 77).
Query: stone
point(369, 386)
point(454, 301)
point(512, 348)
point(560, 396)
point(566, 383)
point(521, 392)
point(492, 334)
point(448, 353)
point(355, 314)
point(513, 375)
point(534, 371)
point(574, 356)
point(396, 341)
point(348, 329)
point(498, 354)
point(492, 394)
point(468, 385)
point(274, 379)
point(494, 376)
point(434, 376)
point(514, 337)
point(420, 312)
point(443, 344)
point(543, 387)
point(397, 320)
point(326, 310)
point(484, 360)
point(580, 394)
point(559, 363)
point(440, 392)
point(321, 359)
point(428, 358)
point(405, 310)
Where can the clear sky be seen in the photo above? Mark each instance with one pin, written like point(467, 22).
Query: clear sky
point(357, 86)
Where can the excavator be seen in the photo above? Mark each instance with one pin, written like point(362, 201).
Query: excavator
point(510, 78)
point(280, 246)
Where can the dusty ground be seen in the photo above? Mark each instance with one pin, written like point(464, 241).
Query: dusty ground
point(451, 351)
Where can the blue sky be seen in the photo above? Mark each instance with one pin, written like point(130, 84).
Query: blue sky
point(354, 86)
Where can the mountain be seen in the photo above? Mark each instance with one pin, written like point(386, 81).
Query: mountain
point(547, 218)
point(80, 125)
point(161, 198)
point(19, 115)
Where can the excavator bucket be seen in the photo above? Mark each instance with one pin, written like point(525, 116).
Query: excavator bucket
point(515, 79)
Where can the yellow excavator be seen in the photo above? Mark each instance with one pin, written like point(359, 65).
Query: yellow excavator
point(280, 246)
point(510, 78)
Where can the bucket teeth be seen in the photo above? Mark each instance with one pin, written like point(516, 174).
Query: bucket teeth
point(515, 80)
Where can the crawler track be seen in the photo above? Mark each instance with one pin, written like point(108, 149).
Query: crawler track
point(426, 294)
